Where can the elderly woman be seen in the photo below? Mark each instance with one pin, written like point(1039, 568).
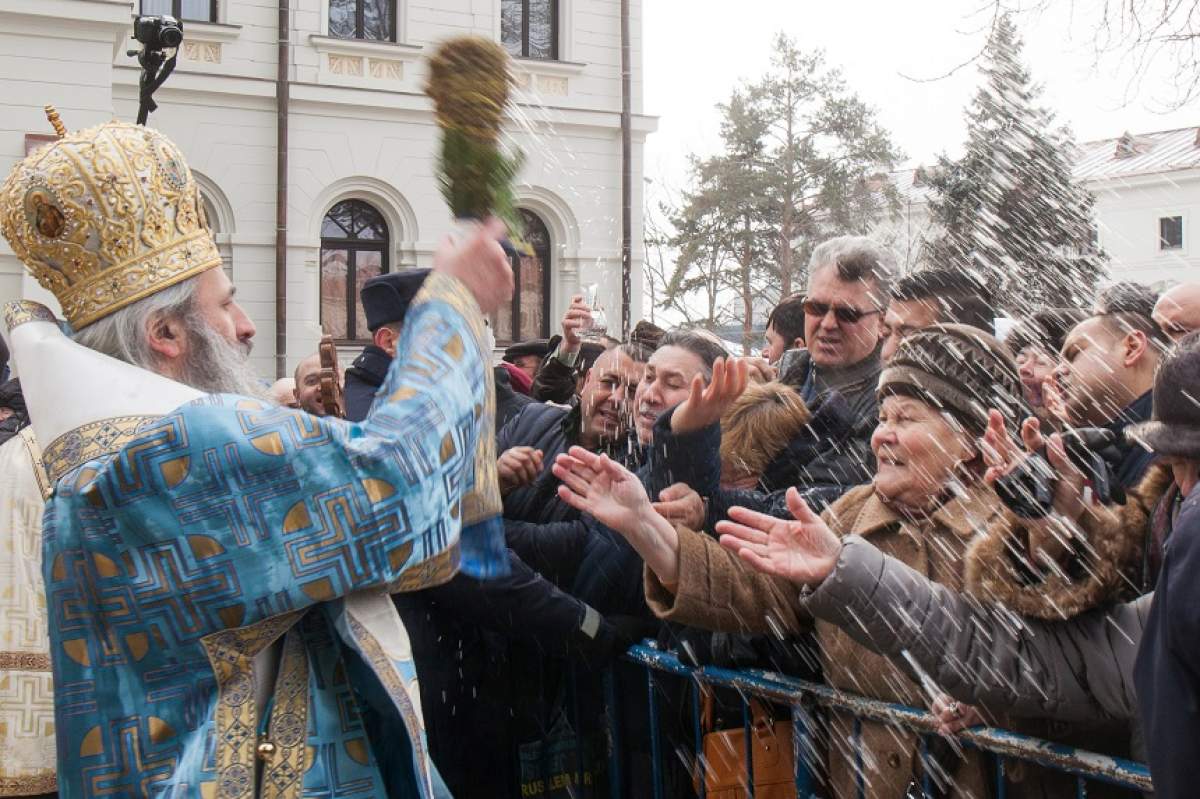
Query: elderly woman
point(924, 506)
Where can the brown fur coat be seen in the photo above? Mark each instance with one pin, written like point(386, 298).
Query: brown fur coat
point(1103, 568)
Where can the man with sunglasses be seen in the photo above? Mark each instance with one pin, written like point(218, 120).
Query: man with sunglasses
point(849, 280)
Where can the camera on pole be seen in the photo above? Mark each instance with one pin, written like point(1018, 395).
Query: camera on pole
point(160, 37)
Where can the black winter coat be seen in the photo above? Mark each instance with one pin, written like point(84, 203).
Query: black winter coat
point(553, 429)
point(466, 636)
point(1167, 670)
point(363, 379)
point(596, 564)
point(548, 428)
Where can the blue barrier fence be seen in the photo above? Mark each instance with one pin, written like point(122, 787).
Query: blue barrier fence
point(799, 694)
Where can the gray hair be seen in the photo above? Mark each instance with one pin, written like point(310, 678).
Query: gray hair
point(211, 364)
point(122, 334)
point(701, 343)
point(856, 258)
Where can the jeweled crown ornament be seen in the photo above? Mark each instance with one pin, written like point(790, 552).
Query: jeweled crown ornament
point(105, 216)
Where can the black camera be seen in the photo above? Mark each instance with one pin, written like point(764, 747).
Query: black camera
point(158, 33)
point(1028, 490)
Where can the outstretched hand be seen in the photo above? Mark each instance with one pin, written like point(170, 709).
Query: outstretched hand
point(706, 404)
point(1002, 457)
point(596, 485)
point(804, 551)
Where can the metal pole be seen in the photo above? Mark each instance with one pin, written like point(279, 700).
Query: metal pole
point(626, 173)
point(282, 100)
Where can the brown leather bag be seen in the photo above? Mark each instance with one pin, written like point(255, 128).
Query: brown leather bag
point(724, 766)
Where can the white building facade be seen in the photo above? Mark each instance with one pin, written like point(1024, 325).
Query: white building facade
point(1147, 211)
point(362, 194)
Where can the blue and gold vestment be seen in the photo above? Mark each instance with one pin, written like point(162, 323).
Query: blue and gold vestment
point(178, 549)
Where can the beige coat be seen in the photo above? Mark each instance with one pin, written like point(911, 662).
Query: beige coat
point(716, 591)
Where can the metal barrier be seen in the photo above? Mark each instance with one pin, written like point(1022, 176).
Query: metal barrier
point(1003, 745)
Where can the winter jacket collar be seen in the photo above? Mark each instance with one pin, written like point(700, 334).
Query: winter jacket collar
point(1135, 459)
point(371, 365)
point(850, 379)
point(966, 514)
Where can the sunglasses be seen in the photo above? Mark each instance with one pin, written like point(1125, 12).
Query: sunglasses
point(842, 313)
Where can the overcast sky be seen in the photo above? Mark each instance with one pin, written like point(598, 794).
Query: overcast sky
point(696, 51)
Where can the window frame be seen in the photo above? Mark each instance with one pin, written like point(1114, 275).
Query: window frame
point(352, 246)
point(177, 11)
point(555, 32)
point(1163, 245)
point(360, 21)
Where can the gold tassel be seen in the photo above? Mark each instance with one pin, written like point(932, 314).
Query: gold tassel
point(56, 121)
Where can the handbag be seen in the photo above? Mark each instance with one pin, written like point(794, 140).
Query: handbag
point(723, 767)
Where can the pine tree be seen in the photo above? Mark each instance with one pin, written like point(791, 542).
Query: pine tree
point(799, 150)
point(823, 145)
point(1009, 211)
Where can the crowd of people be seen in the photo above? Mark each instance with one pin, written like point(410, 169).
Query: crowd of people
point(840, 509)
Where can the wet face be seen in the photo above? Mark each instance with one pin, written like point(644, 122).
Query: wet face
point(1035, 365)
point(1094, 372)
point(832, 342)
point(666, 383)
point(902, 319)
point(917, 451)
point(604, 397)
point(308, 385)
point(1177, 311)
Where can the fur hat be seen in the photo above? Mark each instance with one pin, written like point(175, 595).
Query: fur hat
point(386, 297)
point(1174, 428)
point(537, 346)
point(759, 424)
point(959, 369)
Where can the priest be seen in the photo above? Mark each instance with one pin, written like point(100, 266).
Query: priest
point(217, 568)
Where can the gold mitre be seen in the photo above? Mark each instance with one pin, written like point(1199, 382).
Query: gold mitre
point(104, 217)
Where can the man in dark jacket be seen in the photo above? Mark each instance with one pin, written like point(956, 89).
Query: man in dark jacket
point(527, 356)
point(385, 301)
point(540, 432)
point(1106, 376)
point(814, 462)
point(848, 288)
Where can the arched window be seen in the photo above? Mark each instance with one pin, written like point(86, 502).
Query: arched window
point(354, 248)
point(213, 221)
point(531, 300)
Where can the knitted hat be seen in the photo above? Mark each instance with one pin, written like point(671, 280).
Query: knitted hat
point(956, 368)
point(1174, 428)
